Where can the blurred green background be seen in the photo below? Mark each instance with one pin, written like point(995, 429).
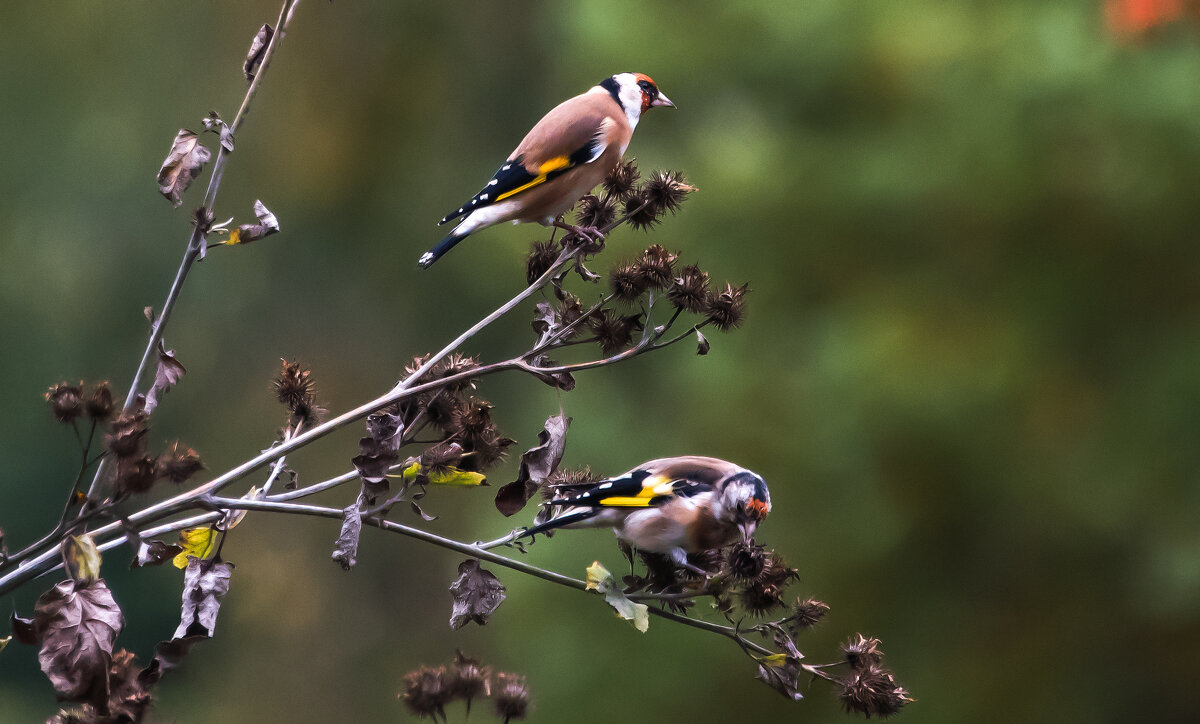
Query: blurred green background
point(969, 370)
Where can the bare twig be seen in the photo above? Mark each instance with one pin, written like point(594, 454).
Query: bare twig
point(195, 243)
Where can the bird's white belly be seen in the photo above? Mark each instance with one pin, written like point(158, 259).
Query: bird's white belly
point(651, 531)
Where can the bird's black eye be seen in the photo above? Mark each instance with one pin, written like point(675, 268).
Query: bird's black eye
point(646, 85)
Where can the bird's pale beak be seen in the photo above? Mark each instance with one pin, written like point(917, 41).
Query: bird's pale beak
point(662, 100)
point(748, 527)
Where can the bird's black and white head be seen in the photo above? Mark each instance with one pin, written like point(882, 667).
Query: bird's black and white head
point(744, 501)
point(636, 93)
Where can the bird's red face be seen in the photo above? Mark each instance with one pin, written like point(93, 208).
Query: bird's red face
point(650, 93)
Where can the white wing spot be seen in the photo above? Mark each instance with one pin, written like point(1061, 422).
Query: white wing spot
point(493, 182)
point(483, 197)
point(604, 486)
point(507, 166)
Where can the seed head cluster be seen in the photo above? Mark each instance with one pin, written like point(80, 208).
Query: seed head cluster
point(427, 691)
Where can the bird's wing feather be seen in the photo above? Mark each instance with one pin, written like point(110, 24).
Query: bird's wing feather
point(575, 133)
point(635, 489)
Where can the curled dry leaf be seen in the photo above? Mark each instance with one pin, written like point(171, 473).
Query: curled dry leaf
point(183, 164)
point(379, 452)
point(81, 558)
point(702, 344)
point(560, 380)
point(258, 48)
point(477, 593)
point(167, 655)
point(205, 583)
point(166, 375)
point(76, 625)
point(537, 464)
point(246, 233)
point(154, 553)
point(230, 518)
point(345, 549)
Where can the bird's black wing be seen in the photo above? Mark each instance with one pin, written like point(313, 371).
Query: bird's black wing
point(636, 489)
point(512, 178)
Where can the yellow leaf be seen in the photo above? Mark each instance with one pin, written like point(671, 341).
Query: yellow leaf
point(81, 558)
point(598, 577)
point(408, 474)
point(4, 642)
point(454, 476)
point(774, 659)
point(235, 237)
point(200, 542)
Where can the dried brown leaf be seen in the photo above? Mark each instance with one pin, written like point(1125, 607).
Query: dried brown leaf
point(537, 464)
point(205, 583)
point(477, 593)
point(183, 164)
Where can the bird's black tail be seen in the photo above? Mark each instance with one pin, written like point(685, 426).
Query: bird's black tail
point(439, 250)
point(560, 521)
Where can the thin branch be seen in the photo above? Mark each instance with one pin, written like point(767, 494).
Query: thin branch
point(195, 245)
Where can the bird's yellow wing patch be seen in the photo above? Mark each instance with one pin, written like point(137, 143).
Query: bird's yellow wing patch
point(653, 486)
point(626, 501)
point(558, 163)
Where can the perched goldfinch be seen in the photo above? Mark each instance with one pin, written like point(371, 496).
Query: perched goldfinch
point(673, 506)
point(562, 158)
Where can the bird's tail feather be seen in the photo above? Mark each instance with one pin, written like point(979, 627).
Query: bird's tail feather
point(439, 250)
point(560, 521)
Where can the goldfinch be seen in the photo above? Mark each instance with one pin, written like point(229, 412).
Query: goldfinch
point(562, 158)
point(673, 506)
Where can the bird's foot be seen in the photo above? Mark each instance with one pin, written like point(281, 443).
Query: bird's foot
point(587, 238)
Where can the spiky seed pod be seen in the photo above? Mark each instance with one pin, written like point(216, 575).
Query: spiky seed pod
point(475, 417)
point(486, 448)
point(127, 433)
point(425, 692)
point(862, 652)
point(98, 402)
point(776, 573)
point(417, 363)
point(296, 390)
point(613, 331)
point(657, 265)
point(66, 401)
point(293, 384)
point(638, 211)
point(136, 475)
point(596, 211)
point(726, 309)
point(456, 364)
point(745, 561)
point(445, 411)
point(469, 679)
point(873, 692)
point(689, 289)
point(571, 477)
point(620, 181)
point(628, 281)
point(542, 255)
point(665, 191)
point(759, 600)
point(440, 458)
point(178, 465)
point(511, 697)
point(806, 614)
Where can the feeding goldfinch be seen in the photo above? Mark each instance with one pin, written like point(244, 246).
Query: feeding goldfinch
point(562, 158)
point(673, 506)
